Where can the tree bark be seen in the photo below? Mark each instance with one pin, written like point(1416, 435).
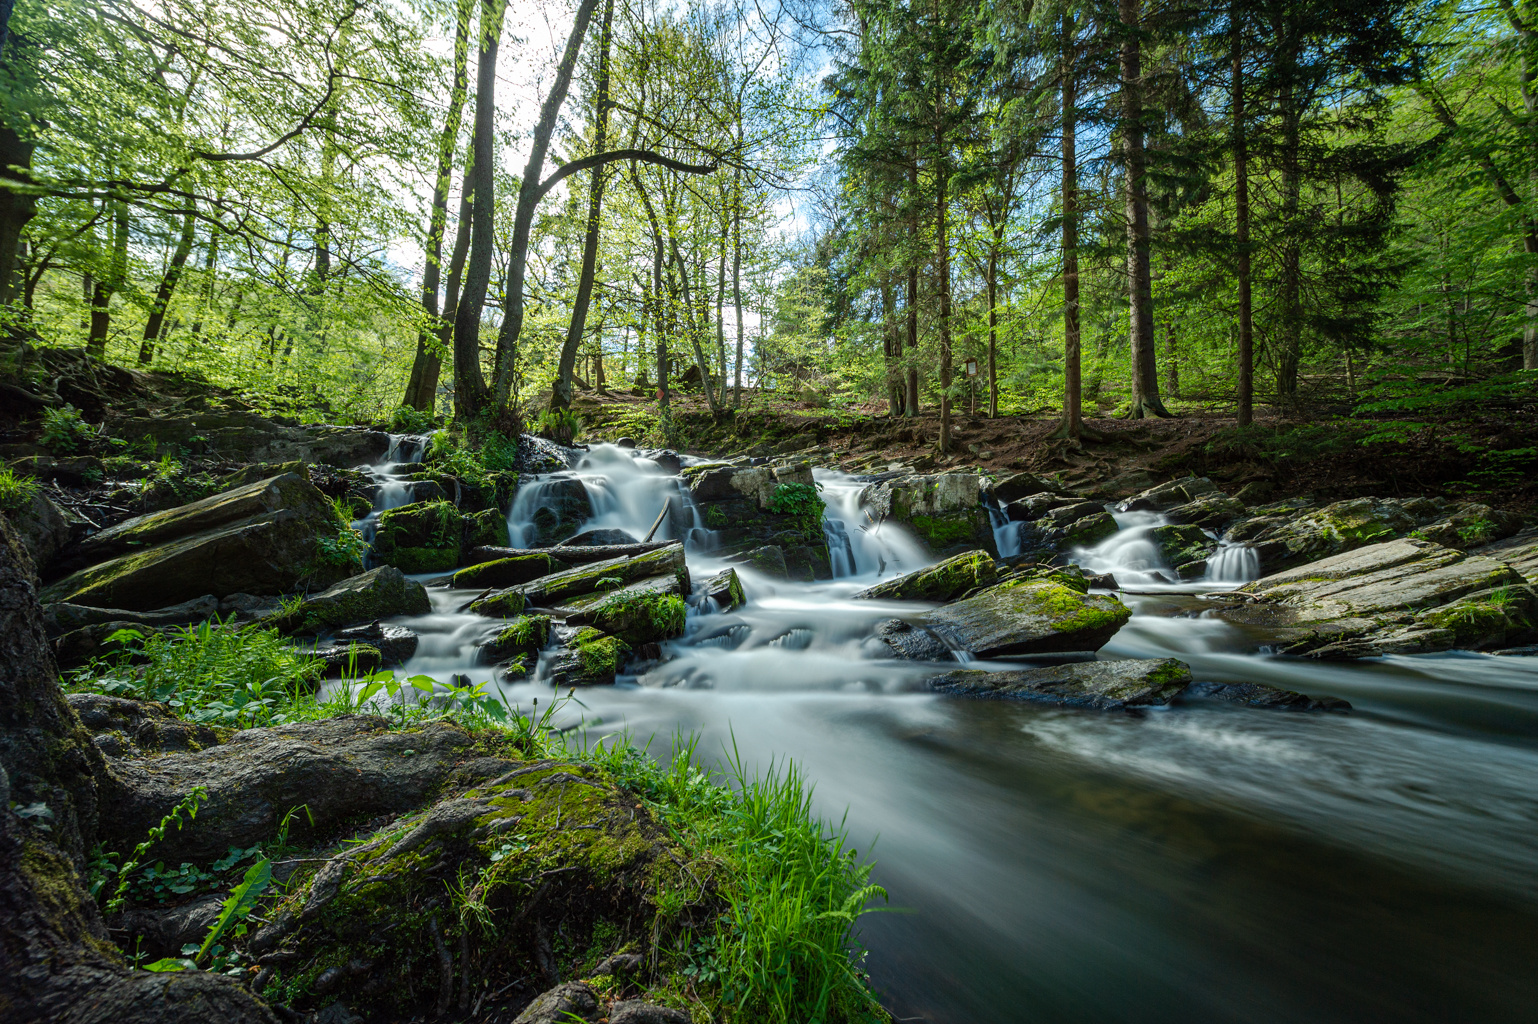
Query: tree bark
point(943, 276)
point(993, 324)
point(422, 384)
point(470, 393)
point(737, 284)
point(1140, 334)
point(16, 208)
point(560, 397)
point(101, 295)
point(1246, 411)
point(528, 199)
point(168, 283)
point(911, 401)
point(1073, 424)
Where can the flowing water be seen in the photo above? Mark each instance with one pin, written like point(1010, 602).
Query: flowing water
point(1202, 862)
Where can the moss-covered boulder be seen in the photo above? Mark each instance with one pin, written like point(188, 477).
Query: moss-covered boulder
point(640, 613)
point(217, 546)
point(1180, 545)
point(598, 576)
point(1102, 685)
point(424, 536)
point(724, 589)
point(1170, 495)
point(488, 527)
point(561, 505)
point(1212, 511)
point(556, 871)
point(1082, 533)
point(504, 604)
point(377, 594)
point(1028, 616)
point(1332, 530)
point(1471, 526)
point(588, 657)
point(945, 510)
point(943, 581)
point(508, 572)
point(524, 638)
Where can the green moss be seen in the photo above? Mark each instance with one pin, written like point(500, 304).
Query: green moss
point(507, 572)
point(486, 528)
point(420, 560)
point(1489, 616)
point(642, 618)
point(1169, 673)
point(601, 655)
point(502, 605)
point(946, 529)
point(943, 581)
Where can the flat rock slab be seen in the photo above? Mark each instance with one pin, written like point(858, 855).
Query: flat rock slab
point(1029, 617)
point(1519, 552)
point(377, 594)
point(943, 581)
point(1103, 685)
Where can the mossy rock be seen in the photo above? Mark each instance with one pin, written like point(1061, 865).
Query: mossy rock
point(421, 524)
point(1178, 545)
point(590, 657)
point(945, 533)
point(377, 594)
point(641, 618)
point(1088, 531)
point(588, 579)
point(487, 528)
point(725, 589)
point(504, 604)
point(1489, 618)
point(416, 561)
point(943, 581)
point(508, 572)
point(525, 636)
point(1029, 617)
point(1103, 685)
point(546, 845)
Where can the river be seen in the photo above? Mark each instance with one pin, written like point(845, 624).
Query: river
point(1201, 862)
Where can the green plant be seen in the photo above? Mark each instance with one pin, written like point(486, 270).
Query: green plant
point(560, 425)
point(188, 806)
point(406, 420)
point(16, 492)
point(63, 429)
point(168, 469)
point(793, 499)
point(207, 673)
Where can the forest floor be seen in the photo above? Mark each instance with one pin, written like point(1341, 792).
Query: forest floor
point(1489, 454)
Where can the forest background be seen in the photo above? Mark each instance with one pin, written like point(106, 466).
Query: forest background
point(1137, 207)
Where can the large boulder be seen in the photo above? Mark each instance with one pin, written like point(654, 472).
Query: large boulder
point(1029, 616)
point(1401, 596)
point(587, 657)
point(63, 617)
point(561, 587)
point(1181, 545)
point(266, 538)
point(42, 529)
point(1520, 552)
point(377, 594)
point(1103, 685)
point(561, 505)
point(508, 572)
point(1169, 495)
point(943, 581)
point(250, 437)
point(640, 613)
point(766, 516)
point(944, 510)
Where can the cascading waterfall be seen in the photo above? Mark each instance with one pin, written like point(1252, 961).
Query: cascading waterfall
point(1008, 535)
point(1005, 826)
point(857, 544)
point(393, 485)
point(1233, 562)
point(626, 491)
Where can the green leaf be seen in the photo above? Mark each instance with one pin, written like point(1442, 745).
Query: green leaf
point(240, 902)
point(170, 963)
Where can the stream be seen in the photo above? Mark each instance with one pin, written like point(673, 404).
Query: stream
point(1200, 862)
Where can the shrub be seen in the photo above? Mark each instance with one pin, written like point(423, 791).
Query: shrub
point(16, 492)
point(406, 420)
point(63, 430)
point(560, 425)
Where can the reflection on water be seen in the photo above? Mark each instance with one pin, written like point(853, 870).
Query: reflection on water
point(1201, 862)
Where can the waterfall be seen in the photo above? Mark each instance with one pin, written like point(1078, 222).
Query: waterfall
point(1129, 554)
point(1233, 562)
point(392, 482)
point(1006, 532)
point(858, 544)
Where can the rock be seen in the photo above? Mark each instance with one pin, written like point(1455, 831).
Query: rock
point(725, 589)
point(588, 657)
point(640, 613)
point(1178, 545)
point(421, 537)
point(377, 594)
point(911, 643)
point(1070, 512)
point(1520, 552)
point(944, 581)
point(217, 545)
point(43, 530)
point(1029, 616)
point(157, 932)
point(561, 1004)
point(1402, 596)
point(508, 572)
point(1033, 507)
point(1258, 695)
point(250, 437)
point(62, 617)
point(749, 508)
point(248, 607)
point(122, 727)
point(79, 646)
point(589, 579)
point(944, 510)
point(367, 649)
point(625, 442)
point(768, 560)
point(567, 556)
point(1017, 486)
point(1103, 685)
point(1082, 533)
point(1334, 529)
point(592, 538)
point(1471, 526)
point(523, 638)
point(348, 768)
point(634, 1011)
point(1254, 491)
point(1169, 495)
point(1212, 511)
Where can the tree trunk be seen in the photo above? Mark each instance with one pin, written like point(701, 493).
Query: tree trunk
point(1171, 367)
point(1290, 287)
point(1140, 334)
point(210, 258)
point(943, 278)
point(891, 348)
point(16, 208)
point(429, 386)
point(1073, 424)
point(911, 401)
point(470, 393)
point(737, 286)
point(101, 295)
point(695, 323)
point(1242, 228)
point(425, 365)
point(528, 199)
point(560, 397)
point(658, 327)
point(726, 239)
point(993, 324)
point(163, 294)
